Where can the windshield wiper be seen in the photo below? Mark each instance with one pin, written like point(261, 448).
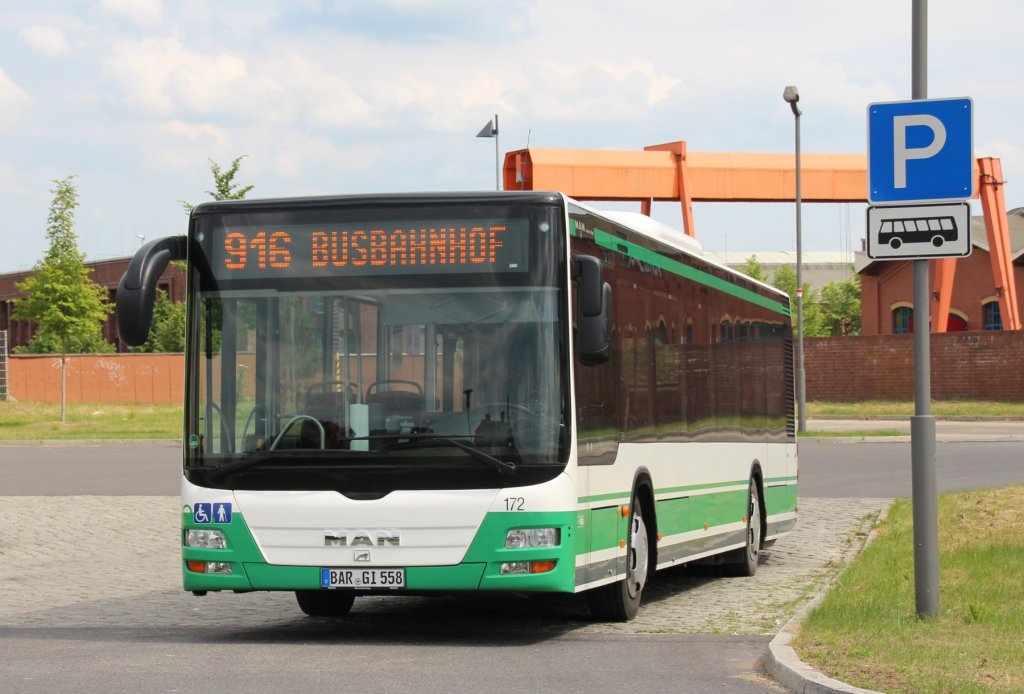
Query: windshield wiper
point(505, 467)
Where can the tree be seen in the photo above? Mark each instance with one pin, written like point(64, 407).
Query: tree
point(167, 332)
point(784, 279)
point(753, 268)
point(833, 311)
point(840, 307)
point(66, 305)
point(224, 187)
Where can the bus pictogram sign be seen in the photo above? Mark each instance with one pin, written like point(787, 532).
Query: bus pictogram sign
point(919, 231)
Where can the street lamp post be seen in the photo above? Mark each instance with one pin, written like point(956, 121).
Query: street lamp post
point(491, 130)
point(792, 96)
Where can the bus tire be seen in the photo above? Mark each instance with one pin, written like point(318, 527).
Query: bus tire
point(744, 561)
point(325, 603)
point(620, 601)
point(895, 244)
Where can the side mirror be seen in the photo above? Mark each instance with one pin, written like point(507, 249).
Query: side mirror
point(594, 311)
point(136, 292)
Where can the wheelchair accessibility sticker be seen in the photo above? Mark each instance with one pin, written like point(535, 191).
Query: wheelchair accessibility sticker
point(206, 513)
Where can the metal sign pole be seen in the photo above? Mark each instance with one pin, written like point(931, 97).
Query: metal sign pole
point(922, 424)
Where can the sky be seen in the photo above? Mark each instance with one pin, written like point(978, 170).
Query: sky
point(136, 97)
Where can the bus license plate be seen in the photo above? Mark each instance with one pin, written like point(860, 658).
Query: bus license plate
point(362, 578)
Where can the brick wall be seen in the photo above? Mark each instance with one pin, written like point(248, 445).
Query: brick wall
point(110, 378)
point(966, 365)
point(969, 365)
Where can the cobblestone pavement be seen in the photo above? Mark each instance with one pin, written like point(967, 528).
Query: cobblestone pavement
point(113, 562)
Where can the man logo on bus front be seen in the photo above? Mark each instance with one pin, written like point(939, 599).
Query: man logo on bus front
point(362, 538)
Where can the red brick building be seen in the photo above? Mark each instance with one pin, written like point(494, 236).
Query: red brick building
point(106, 273)
point(887, 297)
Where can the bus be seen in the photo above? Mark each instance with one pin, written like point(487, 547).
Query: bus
point(936, 230)
point(478, 392)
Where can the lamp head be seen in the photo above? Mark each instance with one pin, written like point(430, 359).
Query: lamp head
point(791, 95)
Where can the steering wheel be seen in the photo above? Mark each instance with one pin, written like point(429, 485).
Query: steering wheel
point(301, 418)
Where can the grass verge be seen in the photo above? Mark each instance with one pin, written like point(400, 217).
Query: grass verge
point(866, 632)
point(853, 434)
point(20, 421)
point(891, 408)
point(25, 421)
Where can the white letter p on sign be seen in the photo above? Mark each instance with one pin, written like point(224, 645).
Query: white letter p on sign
point(899, 144)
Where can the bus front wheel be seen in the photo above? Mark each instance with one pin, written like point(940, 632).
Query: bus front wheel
point(325, 603)
point(620, 601)
point(744, 560)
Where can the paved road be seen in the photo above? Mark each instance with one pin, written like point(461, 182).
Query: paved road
point(61, 470)
point(858, 469)
point(970, 455)
point(90, 597)
point(91, 601)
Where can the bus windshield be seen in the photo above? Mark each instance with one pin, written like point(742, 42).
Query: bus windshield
point(368, 350)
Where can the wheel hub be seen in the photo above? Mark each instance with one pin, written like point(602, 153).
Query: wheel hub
point(639, 555)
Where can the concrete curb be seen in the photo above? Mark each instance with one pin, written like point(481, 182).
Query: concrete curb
point(905, 417)
point(783, 663)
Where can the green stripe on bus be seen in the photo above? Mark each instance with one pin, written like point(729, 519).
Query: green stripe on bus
point(624, 496)
point(780, 499)
point(700, 487)
point(644, 255)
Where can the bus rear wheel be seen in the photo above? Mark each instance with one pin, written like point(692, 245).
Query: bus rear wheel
point(620, 601)
point(325, 603)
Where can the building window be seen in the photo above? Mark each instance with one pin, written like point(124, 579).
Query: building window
point(902, 320)
point(955, 323)
point(661, 334)
point(991, 318)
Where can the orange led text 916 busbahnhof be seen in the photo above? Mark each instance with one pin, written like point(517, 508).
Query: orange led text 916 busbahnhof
point(455, 245)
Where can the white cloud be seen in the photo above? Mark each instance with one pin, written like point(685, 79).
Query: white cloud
point(14, 101)
point(316, 95)
point(46, 40)
point(142, 12)
point(328, 97)
point(162, 77)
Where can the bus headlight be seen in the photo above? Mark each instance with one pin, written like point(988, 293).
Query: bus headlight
point(527, 567)
point(207, 539)
point(532, 537)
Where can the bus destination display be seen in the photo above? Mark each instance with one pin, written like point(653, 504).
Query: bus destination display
point(249, 252)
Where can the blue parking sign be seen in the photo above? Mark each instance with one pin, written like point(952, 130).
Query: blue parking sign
point(920, 151)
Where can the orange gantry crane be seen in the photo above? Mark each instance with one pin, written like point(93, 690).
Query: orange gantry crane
point(668, 172)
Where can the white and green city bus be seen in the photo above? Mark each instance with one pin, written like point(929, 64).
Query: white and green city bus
point(468, 392)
